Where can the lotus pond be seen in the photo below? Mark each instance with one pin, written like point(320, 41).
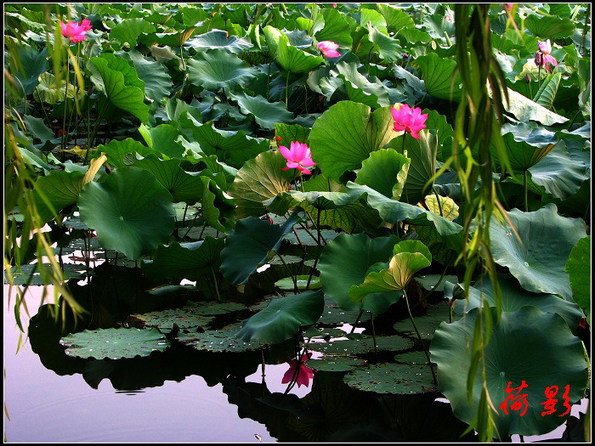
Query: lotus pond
point(297, 222)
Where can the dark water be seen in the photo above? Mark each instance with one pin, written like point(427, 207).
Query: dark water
point(188, 396)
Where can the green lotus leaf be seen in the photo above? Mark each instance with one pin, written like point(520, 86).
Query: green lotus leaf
point(52, 92)
point(416, 358)
point(396, 19)
point(525, 110)
point(422, 153)
point(303, 282)
point(527, 143)
point(158, 83)
point(60, 188)
point(130, 210)
point(185, 260)
point(288, 56)
point(122, 153)
point(345, 135)
point(437, 73)
point(233, 148)
point(282, 318)
point(223, 340)
point(538, 259)
point(559, 173)
point(114, 343)
point(266, 114)
point(435, 282)
point(514, 297)
point(333, 316)
point(336, 28)
point(439, 126)
point(345, 262)
point(38, 129)
point(392, 211)
point(517, 352)
point(218, 69)
point(252, 243)
point(335, 363)
point(30, 274)
point(550, 27)
point(29, 64)
point(392, 379)
point(577, 267)
point(409, 257)
point(128, 30)
point(355, 82)
point(546, 94)
point(120, 83)
point(370, 17)
point(291, 132)
point(259, 180)
point(164, 138)
point(361, 345)
point(219, 40)
point(164, 320)
point(389, 49)
point(182, 185)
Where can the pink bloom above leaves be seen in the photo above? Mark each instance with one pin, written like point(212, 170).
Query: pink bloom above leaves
point(329, 48)
point(298, 371)
point(74, 31)
point(410, 120)
point(543, 56)
point(298, 156)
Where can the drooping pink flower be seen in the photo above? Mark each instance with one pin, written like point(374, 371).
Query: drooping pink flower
point(329, 48)
point(408, 119)
point(299, 371)
point(543, 56)
point(298, 156)
point(74, 31)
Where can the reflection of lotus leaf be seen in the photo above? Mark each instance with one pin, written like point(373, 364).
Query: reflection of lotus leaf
point(527, 345)
point(114, 343)
point(392, 378)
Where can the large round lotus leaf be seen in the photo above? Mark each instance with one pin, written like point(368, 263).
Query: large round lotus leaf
point(114, 343)
point(266, 114)
point(131, 211)
point(426, 325)
point(282, 318)
point(537, 260)
point(333, 315)
point(218, 69)
point(527, 143)
point(288, 56)
point(345, 261)
point(515, 297)
point(345, 135)
point(29, 274)
point(259, 180)
point(416, 357)
point(524, 110)
point(222, 340)
point(577, 268)
point(60, 188)
point(527, 345)
point(164, 320)
point(392, 378)
point(360, 344)
point(304, 281)
point(335, 363)
point(218, 39)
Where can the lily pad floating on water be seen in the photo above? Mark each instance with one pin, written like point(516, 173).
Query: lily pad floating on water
point(336, 363)
point(392, 378)
point(220, 341)
point(114, 343)
point(362, 345)
point(426, 325)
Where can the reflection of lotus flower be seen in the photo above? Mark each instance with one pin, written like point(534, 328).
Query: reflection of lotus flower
point(75, 32)
point(329, 48)
point(298, 371)
point(408, 119)
point(543, 56)
point(298, 157)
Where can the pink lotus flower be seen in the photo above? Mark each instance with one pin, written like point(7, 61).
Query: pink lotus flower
point(298, 371)
point(329, 48)
point(408, 119)
point(298, 156)
point(74, 31)
point(543, 57)
point(508, 6)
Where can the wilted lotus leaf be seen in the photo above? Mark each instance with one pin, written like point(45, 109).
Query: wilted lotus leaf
point(392, 378)
point(114, 343)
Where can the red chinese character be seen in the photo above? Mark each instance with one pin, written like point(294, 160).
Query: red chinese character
point(566, 401)
point(550, 403)
point(518, 401)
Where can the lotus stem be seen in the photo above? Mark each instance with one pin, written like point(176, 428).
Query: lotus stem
point(419, 337)
point(319, 251)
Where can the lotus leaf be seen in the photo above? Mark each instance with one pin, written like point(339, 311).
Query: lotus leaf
point(130, 210)
point(114, 343)
point(537, 260)
point(391, 378)
point(361, 345)
point(518, 352)
point(577, 268)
